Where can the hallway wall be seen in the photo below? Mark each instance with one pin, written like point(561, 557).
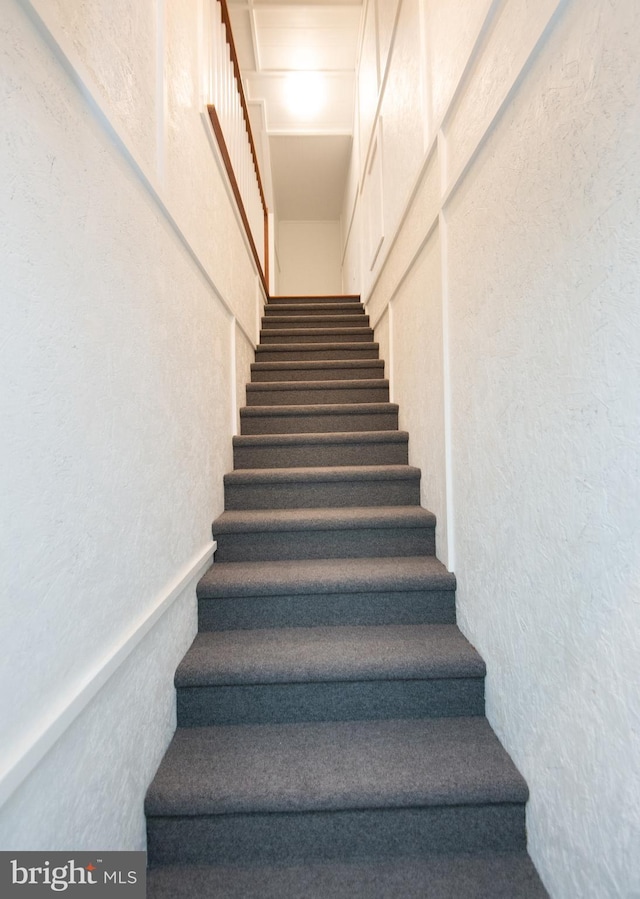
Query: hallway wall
point(497, 240)
point(309, 258)
point(130, 305)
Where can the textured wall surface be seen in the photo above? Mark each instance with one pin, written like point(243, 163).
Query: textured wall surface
point(90, 803)
point(506, 300)
point(402, 125)
point(117, 41)
point(118, 402)
point(417, 317)
point(545, 362)
point(309, 254)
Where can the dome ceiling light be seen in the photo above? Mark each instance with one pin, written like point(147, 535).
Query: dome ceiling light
point(305, 94)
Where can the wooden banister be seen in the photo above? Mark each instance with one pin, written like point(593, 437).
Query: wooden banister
point(227, 158)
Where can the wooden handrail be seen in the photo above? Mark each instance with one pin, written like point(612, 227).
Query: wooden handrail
point(235, 187)
point(236, 69)
point(226, 157)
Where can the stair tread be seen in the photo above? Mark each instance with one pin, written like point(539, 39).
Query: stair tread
point(404, 763)
point(318, 350)
point(324, 474)
point(325, 392)
point(300, 655)
point(291, 347)
point(350, 307)
point(317, 365)
point(320, 409)
point(313, 448)
point(313, 297)
point(489, 875)
point(323, 518)
point(326, 384)
point(309, 319)
point(330, 332)
point(325, 576)
point(342, 437)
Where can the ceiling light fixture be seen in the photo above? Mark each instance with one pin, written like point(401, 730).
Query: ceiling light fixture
point(305, 94)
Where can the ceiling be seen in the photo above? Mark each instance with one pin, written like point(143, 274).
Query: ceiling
point(303, 152)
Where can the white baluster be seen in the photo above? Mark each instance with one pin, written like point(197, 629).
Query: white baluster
point(225, 96)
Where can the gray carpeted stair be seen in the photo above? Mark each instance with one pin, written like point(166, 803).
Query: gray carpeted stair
point(283, 335)
point(322, 486)
point(303, 352)
point(331, 735)
point(309, 593)
point(321, 307)
point(306, 393)
point(339, 370)
point(317, 533)
point(496, 875)
point(302, 450)
point(314, 320)
point(329, 673)
point(319, 418)
point(306, 301)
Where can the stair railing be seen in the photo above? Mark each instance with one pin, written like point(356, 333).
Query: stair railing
point(230, 121)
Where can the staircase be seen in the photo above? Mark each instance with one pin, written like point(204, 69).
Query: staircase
point(331, 735)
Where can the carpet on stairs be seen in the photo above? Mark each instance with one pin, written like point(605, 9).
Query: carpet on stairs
point(331, 737)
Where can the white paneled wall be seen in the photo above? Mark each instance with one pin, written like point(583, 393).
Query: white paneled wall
point(504, 296)
point(130, 303)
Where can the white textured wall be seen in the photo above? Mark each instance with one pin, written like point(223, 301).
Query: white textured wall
point(309, 258)
point(128, 300)
point(506, 297)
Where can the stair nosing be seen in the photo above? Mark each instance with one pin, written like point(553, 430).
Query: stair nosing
point(288, 347)
point(298, 577)
point(321, 409)
point(322, 474)
point(281, 332)
point(319, 519)
point(205, 664)
point(329, 384)
point(317, 364)
point(275, 298)
point(314, 308)
point(284, 753)
point(339, 317)
point(313, 438)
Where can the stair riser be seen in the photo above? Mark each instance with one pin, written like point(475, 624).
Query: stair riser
point(260, 546)
point(314, 309)
point(314, 300)
point(348, 835)
point(323, 495)
point(316, 335)
point(314, 321)
point(312, 353)
point(470, 876)
point(326, 373)
point(321, 454)
point(318, 423)
point(291, 703)
point(332, 610)
point(310, 396)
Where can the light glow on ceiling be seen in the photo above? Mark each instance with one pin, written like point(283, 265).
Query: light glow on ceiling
point(305, 94)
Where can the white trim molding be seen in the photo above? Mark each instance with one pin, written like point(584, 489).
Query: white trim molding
point(151, 181)
point(34, 746)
